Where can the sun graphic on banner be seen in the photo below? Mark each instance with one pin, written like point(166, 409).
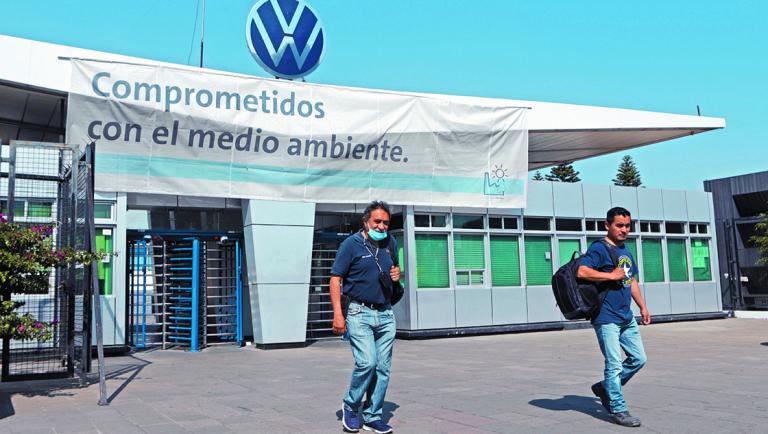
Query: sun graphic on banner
point(499, 172)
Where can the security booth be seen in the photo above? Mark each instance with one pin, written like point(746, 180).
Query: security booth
point(225, 197)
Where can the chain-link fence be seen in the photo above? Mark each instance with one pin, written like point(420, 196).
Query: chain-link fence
point(49, 184)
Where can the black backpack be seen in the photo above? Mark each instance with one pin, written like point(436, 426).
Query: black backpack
point(577, 298)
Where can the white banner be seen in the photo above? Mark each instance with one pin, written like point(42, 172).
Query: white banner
point(180, 131)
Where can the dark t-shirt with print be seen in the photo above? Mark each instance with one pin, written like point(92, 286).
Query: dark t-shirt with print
point(616, 308)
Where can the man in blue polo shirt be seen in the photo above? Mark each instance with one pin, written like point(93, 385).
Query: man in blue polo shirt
point(615, 324)
point(366, 264)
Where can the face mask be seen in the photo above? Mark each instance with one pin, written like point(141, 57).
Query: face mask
point(376, 235)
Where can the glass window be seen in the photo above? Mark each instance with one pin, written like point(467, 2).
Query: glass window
point(674, 228)
point(655, 227)
point(18, 207)
point(495, 223)
point(700, 259)
point(396, 222)
point(567, 247)
point(468, 221)
point(469, 259)
point(677, 260)
point(438, 221)
point(39, 209)
point(510, 222)
point(102, 211)
point(568, 224)
point(505, 261)
point(104, 244)
point(431, 261)
point(536, 224)
point(421, 220)
point(693, 228)
point(592, 226)
point(653, 265)
point(644, 227)
point(538, 260)
point(703, 229)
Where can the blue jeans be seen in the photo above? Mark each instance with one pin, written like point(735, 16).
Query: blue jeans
point(612, 339)
point(372, 337)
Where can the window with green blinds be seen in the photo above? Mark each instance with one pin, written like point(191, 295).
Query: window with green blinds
point(505, 261)
point(653, 265)
point(567, 247)
point(538, 260)
point(431, 261)
point(468, 251)
point(469, 259)
point(677, 260)
point(700, 259)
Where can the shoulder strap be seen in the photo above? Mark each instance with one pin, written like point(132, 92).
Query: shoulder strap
point(391, 250)
point(611, 251)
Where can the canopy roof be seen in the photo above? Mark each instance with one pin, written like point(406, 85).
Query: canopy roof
point(34, 81)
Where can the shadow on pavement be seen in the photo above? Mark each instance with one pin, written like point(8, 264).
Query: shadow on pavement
point(765, 344)
point(583, 404)
point(66, 386)
point(388, 410)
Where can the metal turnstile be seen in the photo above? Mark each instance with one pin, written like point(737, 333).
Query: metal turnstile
point(184, 293)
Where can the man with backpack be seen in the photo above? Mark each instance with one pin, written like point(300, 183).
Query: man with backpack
point(610, 263)
point(368, 267)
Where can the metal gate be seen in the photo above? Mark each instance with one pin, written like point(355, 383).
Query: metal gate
point(319, 310)
point(184, 292)
point(52, 184)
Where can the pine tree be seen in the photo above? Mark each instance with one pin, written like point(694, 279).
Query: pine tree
point(537, 176)
point(628, 175)
point(563, 172)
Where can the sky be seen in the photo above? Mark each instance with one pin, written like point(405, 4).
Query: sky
point(665, 56)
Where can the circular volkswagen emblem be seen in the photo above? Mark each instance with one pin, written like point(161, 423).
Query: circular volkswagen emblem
point(285, 37)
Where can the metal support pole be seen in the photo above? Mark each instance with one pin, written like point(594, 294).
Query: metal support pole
point(90, 161)
point(194, 332)
point(239, 295)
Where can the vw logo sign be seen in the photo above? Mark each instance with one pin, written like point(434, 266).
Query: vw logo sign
point(285, 37)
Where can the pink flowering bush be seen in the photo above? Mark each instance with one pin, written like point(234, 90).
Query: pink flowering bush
point(27, 256)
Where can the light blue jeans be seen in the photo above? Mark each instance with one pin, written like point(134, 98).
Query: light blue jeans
point(372, 337)
point(613, 338)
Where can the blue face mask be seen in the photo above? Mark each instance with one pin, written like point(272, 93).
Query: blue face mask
point(376, 235)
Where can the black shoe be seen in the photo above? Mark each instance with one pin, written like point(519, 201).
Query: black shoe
point(625, 419)
point(600, 392)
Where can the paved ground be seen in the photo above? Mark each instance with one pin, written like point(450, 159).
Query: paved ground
point(702, 377)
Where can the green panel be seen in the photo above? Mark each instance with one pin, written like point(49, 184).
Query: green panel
point(462, 278)
point(38, 209)
point(678, 261)
point(567, 247)
point(102, 211)
point(468, 252)
point(538, 268)
point(702, 270)
point(104, 244)
point(631, 244)
point(505, 261)
point(431, 261)
point(401, 257)
point(653, 266)
point(477, 278)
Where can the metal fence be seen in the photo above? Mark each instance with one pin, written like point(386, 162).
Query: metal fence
point(46, 183)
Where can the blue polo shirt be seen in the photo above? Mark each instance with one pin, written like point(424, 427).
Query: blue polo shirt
point(355, 264)
point(616, 308)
